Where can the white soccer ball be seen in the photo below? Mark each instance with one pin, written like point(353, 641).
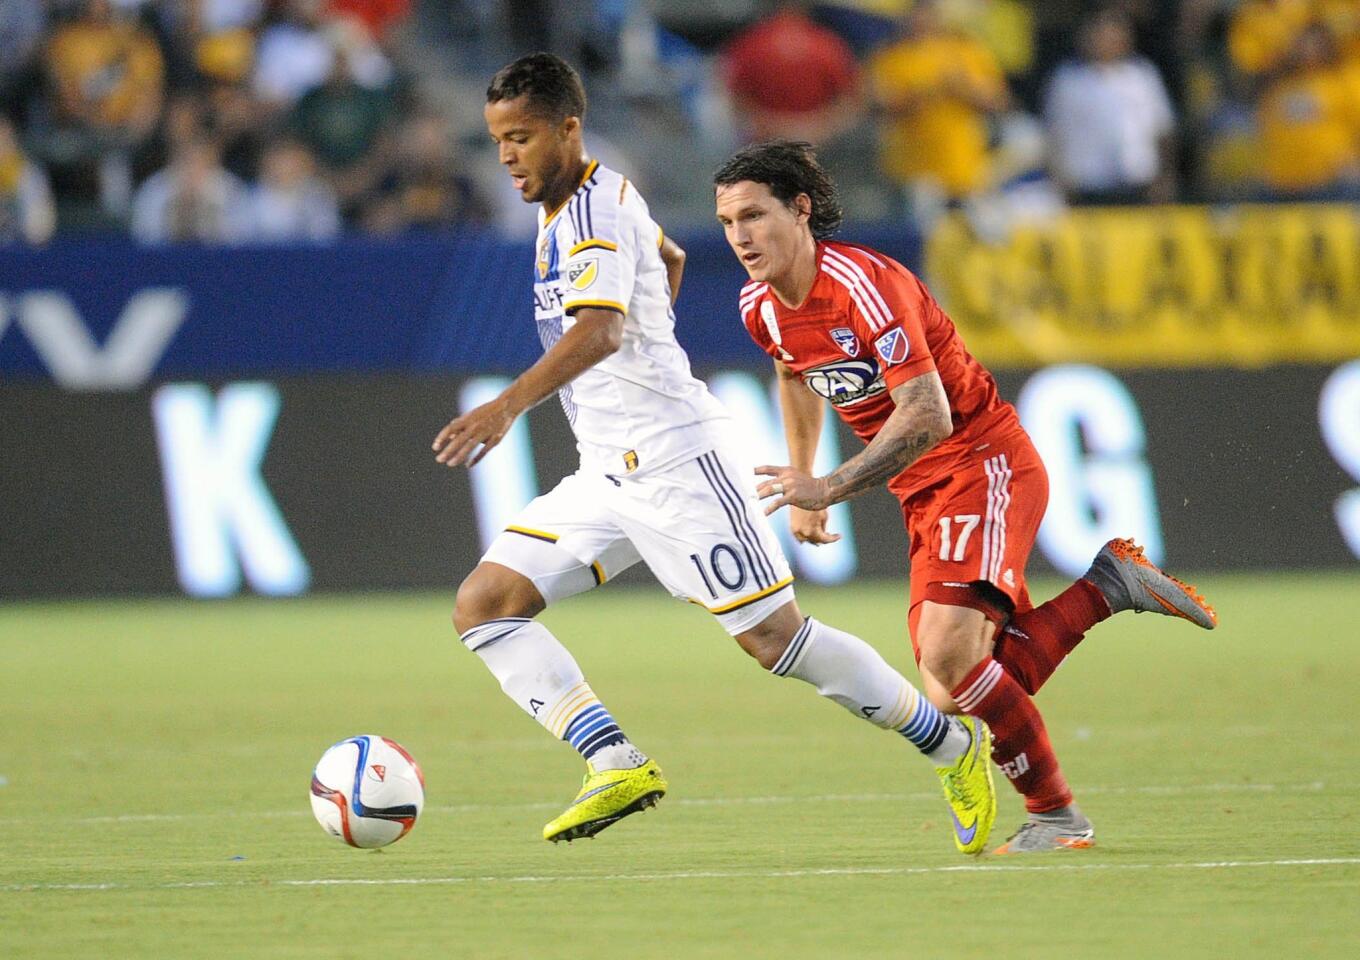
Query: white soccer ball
point(367, 791)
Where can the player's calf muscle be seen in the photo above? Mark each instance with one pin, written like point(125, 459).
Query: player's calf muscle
point(491, 592)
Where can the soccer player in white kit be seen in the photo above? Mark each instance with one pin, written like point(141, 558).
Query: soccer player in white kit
point(660, 480)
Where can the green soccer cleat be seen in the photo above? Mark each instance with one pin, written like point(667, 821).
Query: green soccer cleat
point(606, 797)
point(969, 789)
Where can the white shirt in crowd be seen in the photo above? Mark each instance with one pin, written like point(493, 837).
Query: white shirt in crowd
point(1105, 121)
point(215, 209)
point(307, 211)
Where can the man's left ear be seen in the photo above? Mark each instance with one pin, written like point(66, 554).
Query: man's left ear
point(803, 203)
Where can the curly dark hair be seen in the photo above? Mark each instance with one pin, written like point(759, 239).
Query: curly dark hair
point(554, 89)
point(788, 168)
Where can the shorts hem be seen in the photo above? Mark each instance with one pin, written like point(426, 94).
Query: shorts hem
point(736, 605)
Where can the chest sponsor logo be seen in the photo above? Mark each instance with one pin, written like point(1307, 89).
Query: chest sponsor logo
point(582, 273)
point(893, 346)
point(845, 382)
point(547, 300)
point(845, 339)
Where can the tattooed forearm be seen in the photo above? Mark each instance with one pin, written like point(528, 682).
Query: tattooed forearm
point(873, 467)
point(920, 421)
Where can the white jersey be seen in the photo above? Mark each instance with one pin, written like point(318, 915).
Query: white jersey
point(641, 408)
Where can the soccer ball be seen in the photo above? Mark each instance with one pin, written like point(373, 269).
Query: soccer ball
point(367, 791)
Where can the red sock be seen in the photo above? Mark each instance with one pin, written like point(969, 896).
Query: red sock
point(1020, 743)
point(1033, 643)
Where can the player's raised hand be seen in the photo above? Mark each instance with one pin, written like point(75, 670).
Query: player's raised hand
point(809, 526)
point(792, 488)
point(483, 426)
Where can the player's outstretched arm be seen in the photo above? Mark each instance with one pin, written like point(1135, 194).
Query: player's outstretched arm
point(802, 412)
point(920, 421)
point(597, 333)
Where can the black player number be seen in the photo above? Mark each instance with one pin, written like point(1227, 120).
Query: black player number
point(727, 568)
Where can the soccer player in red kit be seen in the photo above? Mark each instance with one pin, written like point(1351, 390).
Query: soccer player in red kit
point(860, 331)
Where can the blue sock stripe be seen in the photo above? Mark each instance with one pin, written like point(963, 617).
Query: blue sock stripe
point(586, 716)
point(936, 738)
point(929, 719)
point(927, 727)
point(580, 733)
point(605, 738)
point(592, 730)
point(920, 724)
point(920, 720)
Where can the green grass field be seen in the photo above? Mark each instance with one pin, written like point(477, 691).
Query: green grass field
point(156, 759)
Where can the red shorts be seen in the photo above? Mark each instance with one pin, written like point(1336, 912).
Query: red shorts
point(979, 524)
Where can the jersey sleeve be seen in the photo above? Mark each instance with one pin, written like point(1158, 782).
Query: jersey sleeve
point(888, 310)
point(601, 264)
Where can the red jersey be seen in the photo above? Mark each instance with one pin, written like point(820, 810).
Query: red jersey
point(869, 325)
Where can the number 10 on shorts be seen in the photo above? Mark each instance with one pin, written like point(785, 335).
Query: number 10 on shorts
point(955, 532)
point(727, 568)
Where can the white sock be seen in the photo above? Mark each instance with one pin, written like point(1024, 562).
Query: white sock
point(538, 673)
point(847, 670)
point(956, 740)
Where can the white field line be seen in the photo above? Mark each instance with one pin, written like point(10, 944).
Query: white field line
point(698, 875)
point(1164, 790)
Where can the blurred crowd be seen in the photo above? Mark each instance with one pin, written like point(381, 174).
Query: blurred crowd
point(217, 121)
point(295, 120)
point(1014, 110)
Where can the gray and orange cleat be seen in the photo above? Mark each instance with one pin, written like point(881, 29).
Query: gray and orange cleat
point(1130, 581)
point(1065, 829)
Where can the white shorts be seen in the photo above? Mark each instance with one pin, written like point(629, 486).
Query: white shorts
point(698, 526)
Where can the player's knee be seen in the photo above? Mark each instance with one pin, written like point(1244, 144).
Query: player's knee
point(768, 640)
point(486, 595)
point(767, 648)
point(952, 641)
point(949, 656)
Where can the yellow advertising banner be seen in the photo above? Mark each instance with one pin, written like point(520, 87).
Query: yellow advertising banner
point(1160, 286)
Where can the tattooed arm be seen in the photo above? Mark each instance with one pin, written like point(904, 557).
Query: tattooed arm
point(920, 421)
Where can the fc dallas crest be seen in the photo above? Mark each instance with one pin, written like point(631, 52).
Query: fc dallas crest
point(845, 339)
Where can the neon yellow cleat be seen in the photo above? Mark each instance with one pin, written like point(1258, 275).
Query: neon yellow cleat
point(606, 797)
point(969, 789)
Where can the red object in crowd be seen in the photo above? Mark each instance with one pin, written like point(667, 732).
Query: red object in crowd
point(377, 15)
point(789, 64)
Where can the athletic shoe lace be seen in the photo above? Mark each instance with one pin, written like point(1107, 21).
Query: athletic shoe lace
point(957, 788)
